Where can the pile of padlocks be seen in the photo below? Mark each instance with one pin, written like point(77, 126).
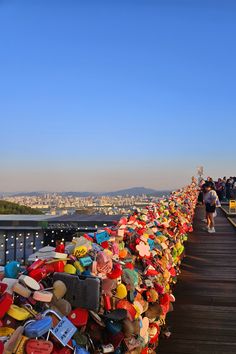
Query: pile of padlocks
point(105, 292)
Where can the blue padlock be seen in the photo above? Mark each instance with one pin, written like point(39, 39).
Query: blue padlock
point(102, 236)
point(38, 328)
point(151, 243)
point(80, 350)
point(86, 261)
point(12, 270)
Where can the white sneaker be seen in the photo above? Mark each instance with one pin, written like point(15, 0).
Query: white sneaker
point(204, 220)
point(212, 230)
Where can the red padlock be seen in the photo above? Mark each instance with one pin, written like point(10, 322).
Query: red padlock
point(60, 248)
point(5, 302)
point(39, 274)
point(37, 264)
point(107, 302)
point(79, 317)
point(1, 347)
point(59, 266)
point(3, 288)
point(33, 346)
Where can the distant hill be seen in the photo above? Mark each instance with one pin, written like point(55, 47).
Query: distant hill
point(123, 192)
point(135, 191)
point(13, 208)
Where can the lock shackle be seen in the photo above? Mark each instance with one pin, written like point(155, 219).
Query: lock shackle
point(49, 311)
point(28, 322)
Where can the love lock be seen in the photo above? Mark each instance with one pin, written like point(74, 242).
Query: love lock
point(37, 328)
point(63, 331)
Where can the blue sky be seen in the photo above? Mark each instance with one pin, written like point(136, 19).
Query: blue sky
point(99, 95)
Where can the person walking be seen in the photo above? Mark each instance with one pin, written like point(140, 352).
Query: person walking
point(210, 200)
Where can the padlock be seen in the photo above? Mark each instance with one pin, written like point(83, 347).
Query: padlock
point(79, 267)
point(6, 301)
point(12, 343)
point(37, 264)
point(43, 296)
point(59, 289)
point(62, 305)
point(6, 331)
point(21, 290)
point(12, 269)
point(85, 261)
point(79, 317)
point(70, 269)
point(80, 251)
point(18, 313)
point(37, 328)
point(80, 350)
point(34, 346)
point(29, 282)
point(39, 273)
point(10, 283)
point(58, 266)
point(64, 330)
point(109, 348)
point(21, 345)
point(3, 288)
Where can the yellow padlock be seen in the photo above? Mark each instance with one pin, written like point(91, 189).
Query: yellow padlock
point(121, 291)
point(18, 313)
point(6, 331)
point(21, 347)
point(70, 269)
point(78, 266)
point(80, 251)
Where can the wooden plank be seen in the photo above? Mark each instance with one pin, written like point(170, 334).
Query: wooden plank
point(204, 317)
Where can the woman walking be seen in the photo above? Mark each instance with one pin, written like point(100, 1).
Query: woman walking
point(210, 200)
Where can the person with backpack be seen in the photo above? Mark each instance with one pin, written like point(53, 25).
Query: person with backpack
point(210, 199)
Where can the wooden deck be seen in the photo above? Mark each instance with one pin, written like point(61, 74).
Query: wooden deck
point(204, 317)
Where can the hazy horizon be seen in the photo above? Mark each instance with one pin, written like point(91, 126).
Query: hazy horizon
point(104, 95)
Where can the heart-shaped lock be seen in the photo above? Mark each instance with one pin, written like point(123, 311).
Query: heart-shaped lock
point(34, 346)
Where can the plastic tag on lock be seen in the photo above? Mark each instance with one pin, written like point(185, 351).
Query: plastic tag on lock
point(39, 327)
point(64, 331)
point(34, 346)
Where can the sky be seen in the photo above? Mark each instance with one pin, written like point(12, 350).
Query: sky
point(110, 94)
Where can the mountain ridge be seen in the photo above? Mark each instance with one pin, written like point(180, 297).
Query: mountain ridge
point(135, 191)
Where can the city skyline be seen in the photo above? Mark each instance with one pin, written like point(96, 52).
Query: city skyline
point(100, 96)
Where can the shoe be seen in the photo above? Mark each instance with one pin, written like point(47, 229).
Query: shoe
point(204, 220)
point(212, 230)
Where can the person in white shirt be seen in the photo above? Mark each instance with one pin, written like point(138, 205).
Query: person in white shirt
point(210, 199)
